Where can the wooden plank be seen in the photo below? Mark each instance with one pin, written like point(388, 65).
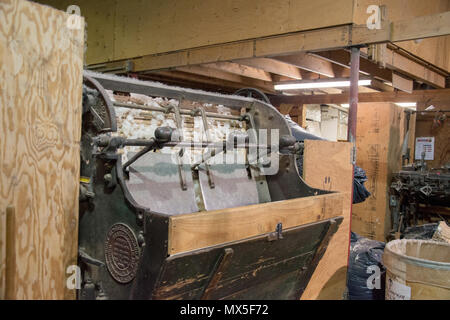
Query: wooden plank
point(204, 229)
point(189, 77)
point(327, 165)
point(40, 127)
point(429, 49)
point(100, 21)
point(422, 27)
point(439, 95)
point(402, 83)
point(181, 24)
point(241, 70)
point(315, 40)
point(163, 61)
point(342, 58)
point(273, 66)
point(310, 63)
point(285, 108)
point(410, 29)
point(218, 74)
point(380, 135)
point(301, 113)
point(400, 63)
point(223, 52)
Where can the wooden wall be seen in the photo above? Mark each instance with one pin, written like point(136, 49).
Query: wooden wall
point(425, 128)
point(327, 165)
point(126, 29)
point(40, 125)
point(379, 138)
point(433, 50)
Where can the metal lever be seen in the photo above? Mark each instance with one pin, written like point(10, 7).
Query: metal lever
point(179, 123)
point(88, 259)
point(208, 140)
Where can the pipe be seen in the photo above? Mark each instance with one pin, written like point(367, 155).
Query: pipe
point(353, 109)
point(182, 111)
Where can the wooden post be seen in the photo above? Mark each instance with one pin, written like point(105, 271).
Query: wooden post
point(301, 116)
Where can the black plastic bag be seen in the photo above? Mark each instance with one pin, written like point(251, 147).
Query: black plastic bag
point(365, 258)
point(360, 193)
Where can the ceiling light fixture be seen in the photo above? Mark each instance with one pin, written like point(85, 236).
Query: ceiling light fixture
point(407, 104)
point(319, 84)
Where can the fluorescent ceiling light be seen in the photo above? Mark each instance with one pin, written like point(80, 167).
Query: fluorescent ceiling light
point(345, 105)
point(319, 84)
point(407, 104)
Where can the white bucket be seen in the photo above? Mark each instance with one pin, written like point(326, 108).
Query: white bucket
point(417, 270)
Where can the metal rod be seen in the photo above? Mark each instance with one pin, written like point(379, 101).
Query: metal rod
point(353, 109)
point(352, 119)
point(182, 111)
point(136, 156)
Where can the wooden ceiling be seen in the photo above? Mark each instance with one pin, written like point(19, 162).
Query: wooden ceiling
point(264, 73)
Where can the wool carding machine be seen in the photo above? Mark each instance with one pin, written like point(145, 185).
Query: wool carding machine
point(187, 194)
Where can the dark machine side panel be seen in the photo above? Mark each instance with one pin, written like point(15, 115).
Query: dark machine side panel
point(264, 267)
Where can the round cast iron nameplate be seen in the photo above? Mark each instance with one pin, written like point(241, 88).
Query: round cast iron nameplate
point(121, 253)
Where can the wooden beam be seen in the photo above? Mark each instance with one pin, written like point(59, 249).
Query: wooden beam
point(185, 83)
point(402, 83)
point(416, 96)
point(378, 85)
point(219, 74)
point(285, 108)
point(190, 77)
point(203, 229)
point(394, 61)
point(411, 29)
point(402, 64)
point(342, 58)
point(273, 66)
point(324, 39)
point(241, 70)
point(301, 115)
point(310, 63)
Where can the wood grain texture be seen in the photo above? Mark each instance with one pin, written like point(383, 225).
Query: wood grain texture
point(40, 124)
point(327, 165)
point(431, 49)
point(2, 254)
point(199, 230)
point(379, 137)
point(169, 25)
point(425, 127)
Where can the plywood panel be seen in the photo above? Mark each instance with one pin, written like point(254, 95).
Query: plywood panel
point(379, 137)
point(40, 124)
point(327, 165)
point(136, 27)
point(441, 133)
point(432, 50)
point(100, 16)
point(204, 229)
